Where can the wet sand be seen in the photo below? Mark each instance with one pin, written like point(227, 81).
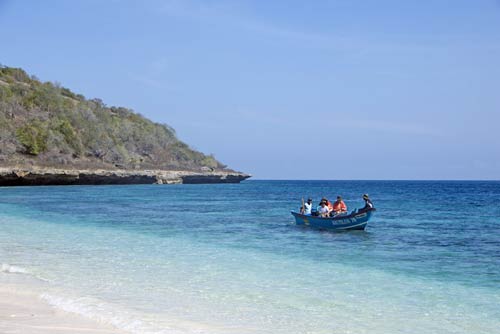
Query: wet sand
point(23, 312)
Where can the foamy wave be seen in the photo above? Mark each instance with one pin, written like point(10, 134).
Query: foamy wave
point(7, 268)
point(101, 312)
point(11, 269)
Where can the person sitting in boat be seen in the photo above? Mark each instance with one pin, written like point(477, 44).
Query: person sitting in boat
point(339, 206)
point(323, 209)
point(329, 204)
point(307, 208)
point(368, 203)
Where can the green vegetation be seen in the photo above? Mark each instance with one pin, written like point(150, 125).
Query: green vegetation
point(50, 125)
point(33, 136)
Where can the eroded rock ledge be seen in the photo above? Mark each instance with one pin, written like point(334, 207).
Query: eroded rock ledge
point(51, 176)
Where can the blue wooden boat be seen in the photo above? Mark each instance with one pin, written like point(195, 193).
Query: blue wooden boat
point(356, 220)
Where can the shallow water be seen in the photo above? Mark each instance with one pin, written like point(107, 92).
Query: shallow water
point(228, 259)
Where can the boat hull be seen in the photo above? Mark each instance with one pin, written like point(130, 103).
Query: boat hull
point(353, 221)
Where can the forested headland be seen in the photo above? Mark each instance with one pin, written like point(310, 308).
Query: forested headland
point(44, 124)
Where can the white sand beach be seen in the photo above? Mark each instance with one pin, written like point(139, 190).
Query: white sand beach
point(23, 312)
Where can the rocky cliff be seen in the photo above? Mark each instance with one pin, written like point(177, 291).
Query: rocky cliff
point(52, 176)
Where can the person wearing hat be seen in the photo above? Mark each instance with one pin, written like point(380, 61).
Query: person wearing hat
point(329, 204)
point(323, 209)
point(368, 203)
point(339, 206)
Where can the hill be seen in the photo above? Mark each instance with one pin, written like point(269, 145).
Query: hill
point(45, 125)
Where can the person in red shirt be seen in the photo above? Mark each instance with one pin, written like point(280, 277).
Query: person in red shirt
point(339, 206)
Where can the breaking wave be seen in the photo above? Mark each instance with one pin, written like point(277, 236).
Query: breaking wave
point(10, 269)
point(102, 312)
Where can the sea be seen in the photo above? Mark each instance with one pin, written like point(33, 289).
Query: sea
point(228, 258)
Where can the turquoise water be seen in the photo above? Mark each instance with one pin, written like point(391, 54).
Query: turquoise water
point(228, 259)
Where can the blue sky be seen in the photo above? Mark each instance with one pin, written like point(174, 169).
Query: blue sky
point(341, 89)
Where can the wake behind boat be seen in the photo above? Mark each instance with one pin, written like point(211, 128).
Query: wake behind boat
point(357, 220)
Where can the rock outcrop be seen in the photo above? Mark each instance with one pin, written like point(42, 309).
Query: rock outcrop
point(52, 176)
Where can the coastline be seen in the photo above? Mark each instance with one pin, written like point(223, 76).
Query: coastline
point(22, 311)
point(31, 176)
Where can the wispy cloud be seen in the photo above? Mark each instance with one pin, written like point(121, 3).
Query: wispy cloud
point(153, 75)
point(408, 128)
point(295, 122)
point(235, 16)
point(229, 14)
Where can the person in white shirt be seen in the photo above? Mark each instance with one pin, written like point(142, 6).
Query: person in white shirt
point(368, 203)
point(307, 207)
point(323, 209)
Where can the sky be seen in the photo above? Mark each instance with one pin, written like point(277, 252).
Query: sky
point(286, 89)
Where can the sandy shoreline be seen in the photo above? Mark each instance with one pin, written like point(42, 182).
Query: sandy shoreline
point(23, 312)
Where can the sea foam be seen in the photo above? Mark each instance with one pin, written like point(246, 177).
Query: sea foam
point(7, 268)
point(13, 269)
point(113, 315)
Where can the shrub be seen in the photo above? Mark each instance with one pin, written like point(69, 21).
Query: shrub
point(17, 74)
point(5, 93)
point(70, 136)
point(33, 137)
point(209, 161)
point(68, 93)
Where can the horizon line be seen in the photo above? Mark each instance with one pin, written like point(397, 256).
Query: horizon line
point(392, 180)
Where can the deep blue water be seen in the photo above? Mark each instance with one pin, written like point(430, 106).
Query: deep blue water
point(230, 256)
